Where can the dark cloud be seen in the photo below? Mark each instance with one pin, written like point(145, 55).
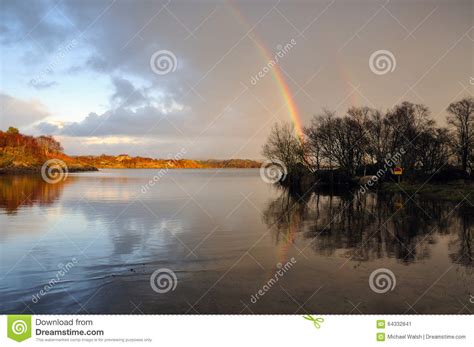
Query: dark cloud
point(144, 121)
point(126, 94)
point(45, 128)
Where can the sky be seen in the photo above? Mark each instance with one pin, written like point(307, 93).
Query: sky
point(209, 78)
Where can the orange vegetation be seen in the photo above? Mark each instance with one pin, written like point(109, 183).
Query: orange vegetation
point(20, 152)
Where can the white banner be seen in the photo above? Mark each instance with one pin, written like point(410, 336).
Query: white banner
point(237, 330)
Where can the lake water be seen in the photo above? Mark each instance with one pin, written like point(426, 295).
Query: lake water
point(236, 244)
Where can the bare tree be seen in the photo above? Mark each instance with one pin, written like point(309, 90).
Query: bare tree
point(434, 150)
point(284, 145)
point(461, 119)
point(408, 121)
point(378, 137)
point(367, 137)
point(319, 136)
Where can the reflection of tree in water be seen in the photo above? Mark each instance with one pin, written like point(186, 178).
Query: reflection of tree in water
point(461, 249)
point(284, 215)
point(371, 226)
point(27, 190)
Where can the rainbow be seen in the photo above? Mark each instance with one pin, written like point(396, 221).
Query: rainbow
point(277, 74)
point(346, 76)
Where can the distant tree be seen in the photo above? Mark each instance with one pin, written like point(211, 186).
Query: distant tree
point(407, 122)
point(365, 138)
point(434, 150)
point(347, 137)
point(284, 145)
point(359, 117)
point(49, 145)
point(378, 136)
point(315, 145)
point(13, 131)
point(461, 120)
point(339, 141)
point(320, 139)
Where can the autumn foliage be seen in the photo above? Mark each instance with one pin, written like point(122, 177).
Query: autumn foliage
point(23, 153)
point(18, 151)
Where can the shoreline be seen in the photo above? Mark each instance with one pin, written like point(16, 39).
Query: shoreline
point(444, 191)
point(454, 190)
point(37, 170)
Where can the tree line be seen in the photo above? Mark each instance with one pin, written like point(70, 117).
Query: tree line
point(361, 141)
point(41, 145)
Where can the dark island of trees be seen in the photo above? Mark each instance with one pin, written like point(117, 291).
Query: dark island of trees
point(365, 145)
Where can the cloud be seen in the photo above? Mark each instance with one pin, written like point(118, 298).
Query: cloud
point(132, 112)
point(143, 121)
point(34, 21)
point(20, 113)
point(126, 94)
point(97, 63)
point(46, 128)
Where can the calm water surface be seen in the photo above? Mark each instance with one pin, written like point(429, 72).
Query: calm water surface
point(224, 234)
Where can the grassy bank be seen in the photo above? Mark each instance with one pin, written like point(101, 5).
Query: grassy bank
point(450, 191)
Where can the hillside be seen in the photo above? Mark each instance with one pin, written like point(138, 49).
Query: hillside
point(22, 153)
point(125, 161)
